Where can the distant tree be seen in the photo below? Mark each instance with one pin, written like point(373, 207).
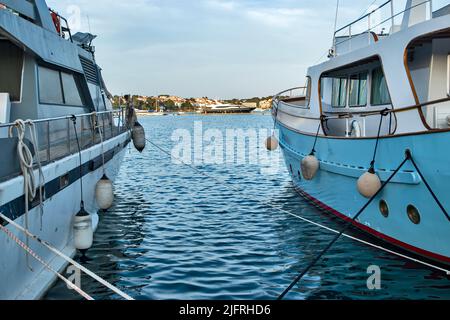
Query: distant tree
point(187, 106)
point(116, 102)
point(170, 105)
point(150, 103)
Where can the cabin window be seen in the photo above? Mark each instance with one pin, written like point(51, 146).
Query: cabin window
point(11, 65)
point(380, 92)
point(339, 98)
point(358, 90)
point(71, 92)
point(56, 87)
point(50, 89)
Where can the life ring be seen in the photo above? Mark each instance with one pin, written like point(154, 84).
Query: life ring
point(356, 129)
point(56, 22)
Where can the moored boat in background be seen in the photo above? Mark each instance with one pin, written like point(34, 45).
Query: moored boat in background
point(228, 108)
point(382, 98)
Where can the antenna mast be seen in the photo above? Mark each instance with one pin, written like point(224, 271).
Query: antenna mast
point(333, 46)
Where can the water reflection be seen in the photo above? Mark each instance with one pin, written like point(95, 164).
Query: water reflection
point(175, 234)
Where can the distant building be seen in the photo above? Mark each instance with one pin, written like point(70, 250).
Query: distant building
point(250, 104)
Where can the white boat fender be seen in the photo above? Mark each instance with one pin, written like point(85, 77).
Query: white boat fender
point(356, 129)
point(104, 193)
point(272, 143)
point(83, 232)
point(369, 184)
point(310, 166)
point(138, 135)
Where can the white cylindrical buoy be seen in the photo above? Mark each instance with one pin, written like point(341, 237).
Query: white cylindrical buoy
point(272, 143)
point(104, 193)
point(310, 165)
point(83, 232)
point(138, 135)
point(369, 184)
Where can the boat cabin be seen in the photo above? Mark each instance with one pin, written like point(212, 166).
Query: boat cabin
point(47, 73)
point(399, 65)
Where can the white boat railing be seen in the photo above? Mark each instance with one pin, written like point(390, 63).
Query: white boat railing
point(57, 136)
point(373, 30)
point(296, 97)
point(390, 112)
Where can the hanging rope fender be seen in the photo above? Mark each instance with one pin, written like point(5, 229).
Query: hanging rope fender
point(313, 151)
point(383, 114)
point(408, 157)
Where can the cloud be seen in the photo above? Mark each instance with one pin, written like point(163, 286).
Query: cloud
point(181, 47)
point(277, 17)
point(222, 5)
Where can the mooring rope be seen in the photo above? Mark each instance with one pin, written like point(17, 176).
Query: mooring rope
point(40, 260)
point(347, 227)
point(30, 190)
point(66, 258)
point(233, 189)
point(430, 189)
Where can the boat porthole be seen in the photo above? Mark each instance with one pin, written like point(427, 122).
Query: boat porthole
point(413, 214)
point(384, 208)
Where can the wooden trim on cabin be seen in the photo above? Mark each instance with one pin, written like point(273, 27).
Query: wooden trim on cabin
point(322, 120)
point(432, 131)
point(295, 99)
point(375, 36)
point(413, 87)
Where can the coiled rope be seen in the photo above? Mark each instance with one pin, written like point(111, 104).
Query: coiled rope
point(27, 167)
point(30, 189)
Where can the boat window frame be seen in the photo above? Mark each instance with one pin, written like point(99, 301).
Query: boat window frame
point(372, 87)
point(344, 96)
point(60, 71)
point(22, 73)
point(366, 102)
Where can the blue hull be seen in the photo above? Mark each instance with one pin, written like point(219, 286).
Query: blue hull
point(343, 161)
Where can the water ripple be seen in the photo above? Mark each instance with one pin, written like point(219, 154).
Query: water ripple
point(174, 234)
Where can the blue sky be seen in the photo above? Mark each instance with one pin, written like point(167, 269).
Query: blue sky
point(214, 48)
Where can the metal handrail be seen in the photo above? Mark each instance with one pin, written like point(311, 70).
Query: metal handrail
point(59, 142)
point(347, 115)
point(363, 17)
point(63, 29)
point(278, 95)
point(276, 98)
point(368, 15)
point(7, 125)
